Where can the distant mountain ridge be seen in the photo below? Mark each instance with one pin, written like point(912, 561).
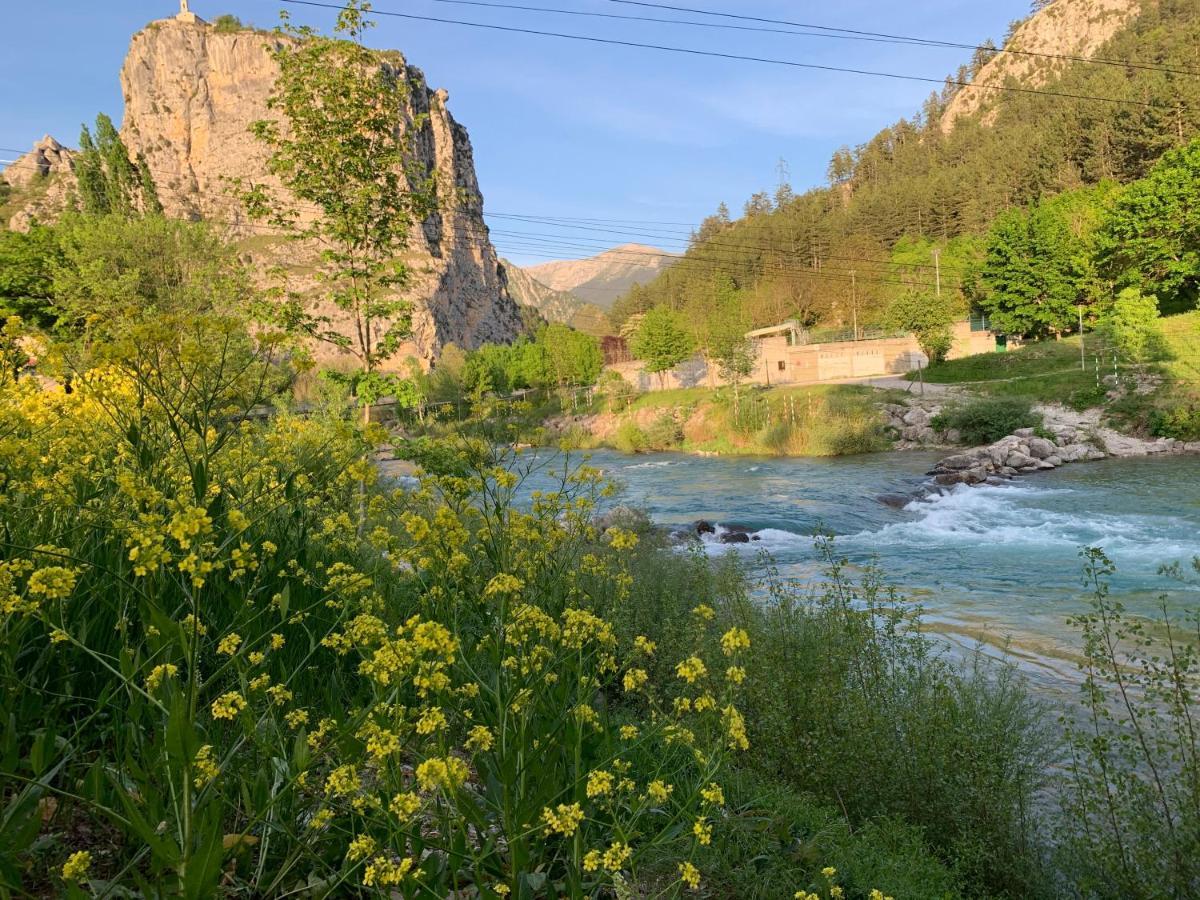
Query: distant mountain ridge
point(554, 305)
point(601, 279)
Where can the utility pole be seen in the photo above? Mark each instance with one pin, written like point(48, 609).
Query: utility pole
point(1082, 355)
point(854, 302)
point(937, 268)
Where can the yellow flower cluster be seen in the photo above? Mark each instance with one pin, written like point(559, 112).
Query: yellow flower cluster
point(77, 865)
point(564, 820)
point(228, 705)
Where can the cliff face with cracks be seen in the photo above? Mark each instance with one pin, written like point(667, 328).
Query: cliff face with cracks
point(191, 93)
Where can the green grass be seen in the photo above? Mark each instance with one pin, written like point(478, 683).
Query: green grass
point(1041, 372)
point(1182, 334)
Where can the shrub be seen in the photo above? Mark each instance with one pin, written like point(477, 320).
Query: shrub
point(629, 438)
point(227, 24)
point(665, 432)
point(1131, 806)
point(1181, 422)
point(236, 662)
point(988, 419)
point(852, 705)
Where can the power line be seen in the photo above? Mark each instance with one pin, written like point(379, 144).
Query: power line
point(929, 42)
point(714, 54)
point(691, 23)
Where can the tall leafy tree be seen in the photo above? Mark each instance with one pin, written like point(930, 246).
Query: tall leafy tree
point(107, 179)
point(1039, 264)
point(1151, 237)
point(342, 148)
point(661, 342)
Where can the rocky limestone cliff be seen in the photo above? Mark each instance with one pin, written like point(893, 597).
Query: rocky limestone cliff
point(191, 92)
point(1064, 28)
point(601, 279)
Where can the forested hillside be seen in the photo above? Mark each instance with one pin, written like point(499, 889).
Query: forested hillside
point(919, 188)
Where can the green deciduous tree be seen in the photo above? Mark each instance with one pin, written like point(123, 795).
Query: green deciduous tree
point(1131, 323)
point(1039, 264)
point(111, 273)
point(27, 261)
point(929, 317)
point(343, 151)
point(108, 181)
point(1151, 237)
point(661, 342)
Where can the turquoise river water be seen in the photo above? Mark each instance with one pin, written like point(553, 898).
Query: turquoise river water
point(991, 566)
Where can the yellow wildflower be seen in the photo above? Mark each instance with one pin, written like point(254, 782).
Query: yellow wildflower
point(635, 678)
point(735, 727)
point(829, 872)
point(383, 872)
point(480, 738)
point(230, 643)
point(53, 583)
point(405, 806)
point(205, 766)
point(659, 790)
point(629, 732)
point(735, 674)
point(644, 644)
point(341, 781)
point(191, 624)
point(432, 720)
point(77, 865)
point(159, 673)
point(713, 794)
point(734, 640)
point(703, 832)
point(448, 773)
point(616, 856)
point(256, 657)
point(704, 612)
point(228, 705)
point(58, 636)
point(599, 783)
point(279, 694)
point(277, 641)
point(689, 875)
point(691, 669)
point(296, 718)
point(360, 848)
point(564, 820)
point(591, 861)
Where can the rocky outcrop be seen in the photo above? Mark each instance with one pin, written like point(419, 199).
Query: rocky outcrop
point(43, 178)
point(1067, 437)
point(191, 92)
point(1063, 29)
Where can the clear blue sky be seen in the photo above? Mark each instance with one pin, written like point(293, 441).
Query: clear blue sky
point(562, 128)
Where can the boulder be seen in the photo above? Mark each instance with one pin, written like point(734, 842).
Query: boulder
point(947, 479)
point(926, 435)
point(952, 436)
point(895, 501)
point(1054, 461)
point(916, 416)
point(704, 527)
point(958, 462)
point(1018, 460)
point(1040, 448)
point(735, 537)
point(1023, 433)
